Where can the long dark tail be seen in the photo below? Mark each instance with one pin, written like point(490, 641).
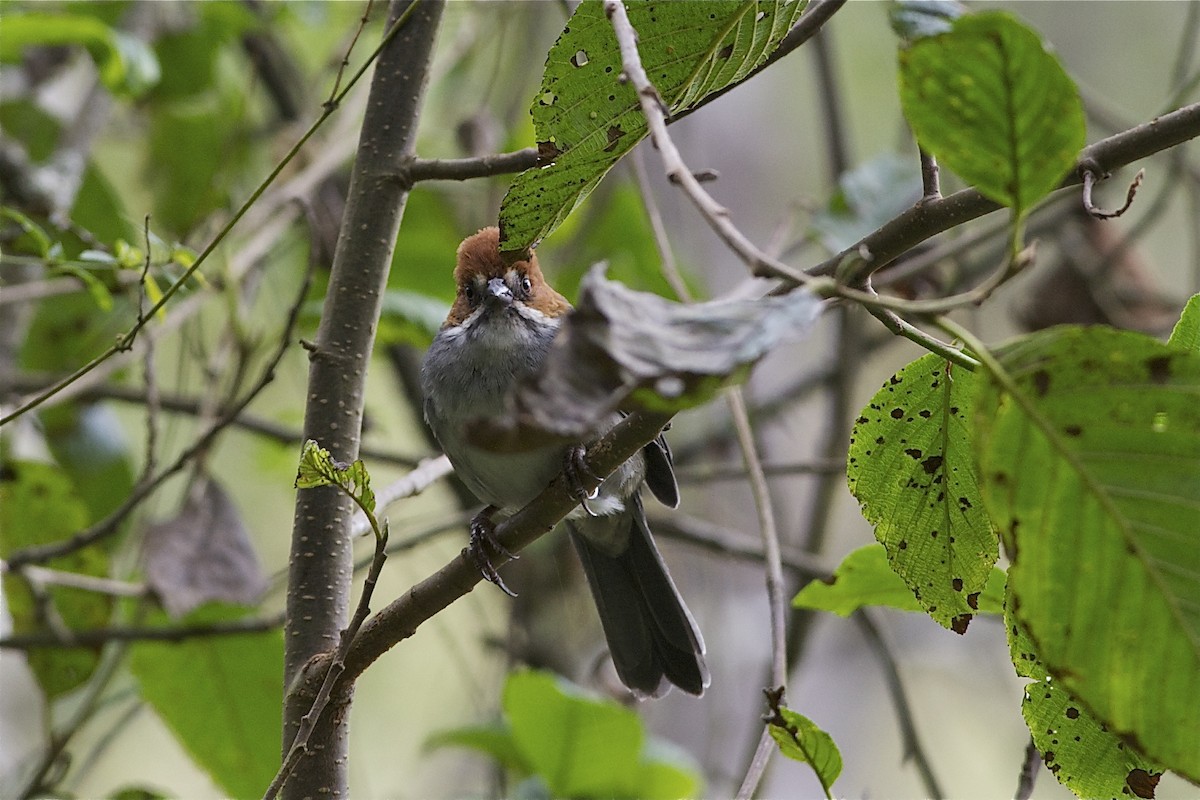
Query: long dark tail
point(651, 634)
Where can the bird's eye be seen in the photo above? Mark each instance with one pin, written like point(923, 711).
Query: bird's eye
point(526, 284)
point(470, 293)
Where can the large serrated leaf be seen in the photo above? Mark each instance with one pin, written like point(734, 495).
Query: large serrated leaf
point(911, 467)
point(1079, 751)
point(585, 118)
point(994, 106)
point(1090, 468)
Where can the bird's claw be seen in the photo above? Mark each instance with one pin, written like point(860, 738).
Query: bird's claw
point(484, 546)
point(577, 471)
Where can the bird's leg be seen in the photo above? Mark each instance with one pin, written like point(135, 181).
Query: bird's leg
point(484, 546)
point(577, 472)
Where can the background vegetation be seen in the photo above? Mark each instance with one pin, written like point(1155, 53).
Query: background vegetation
point(148, 510)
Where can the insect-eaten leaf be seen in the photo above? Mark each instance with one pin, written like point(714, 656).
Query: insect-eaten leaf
point(586, 116)
point(319, 468)
point(621, 349)
point(202, 554)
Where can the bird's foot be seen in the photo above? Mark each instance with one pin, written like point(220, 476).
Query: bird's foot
point(484, 547)
point(577, 471)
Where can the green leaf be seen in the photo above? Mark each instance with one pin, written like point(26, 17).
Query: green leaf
point(1079, 751)
point(38, 505)
point(1089, 463)
point(127, 65)
point(193, 149)
point(220, 696)
point(800, 739)
point(579, 744)
point(910, 465)
point(867, 197)
point(994, 106)
point(496, 740)
point(189, 56)
point(582, 746)
point(865, 579)
point(1187, 331)
point(585, 119)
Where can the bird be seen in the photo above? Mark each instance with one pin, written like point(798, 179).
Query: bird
point(497, 333)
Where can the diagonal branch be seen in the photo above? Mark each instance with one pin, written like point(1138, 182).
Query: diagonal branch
point(931, 217)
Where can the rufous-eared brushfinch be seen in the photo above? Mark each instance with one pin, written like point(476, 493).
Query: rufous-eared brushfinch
point(498, 332)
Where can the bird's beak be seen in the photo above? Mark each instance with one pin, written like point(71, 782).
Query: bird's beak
point(498, 293)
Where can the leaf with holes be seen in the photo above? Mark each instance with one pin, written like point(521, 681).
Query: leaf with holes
point(1089, 463)
point(911, 467)
point(585, 118)
point(994, 106)
point(1079, 751)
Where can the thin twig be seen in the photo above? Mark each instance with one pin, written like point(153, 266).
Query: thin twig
point(1089, 180)
point(332, 102)
point(770, 537)
point(89, 583)
point(931, 183)
point(96, 637)
point(149, 376)
point(758, 764)
point(710, 537)
point(180, 404)
point(462, 169)
point(423, 475)
point(754, 469)
point(677, 171)
point(901, 327)
point(904, 715)
point(1030, 766)
point(666, 256)
point(925, 220)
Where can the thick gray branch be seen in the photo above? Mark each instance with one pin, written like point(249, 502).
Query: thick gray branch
point(320, 566)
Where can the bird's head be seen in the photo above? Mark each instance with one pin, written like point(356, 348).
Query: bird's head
point(490, 288)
